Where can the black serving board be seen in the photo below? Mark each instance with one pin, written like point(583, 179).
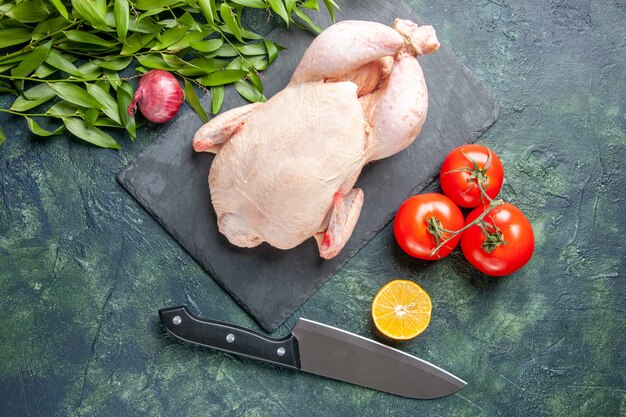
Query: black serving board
point(170, 180)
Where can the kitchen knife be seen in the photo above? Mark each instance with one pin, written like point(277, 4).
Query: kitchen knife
point(323, 350)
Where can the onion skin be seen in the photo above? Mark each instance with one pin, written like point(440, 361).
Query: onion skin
point(158, 96)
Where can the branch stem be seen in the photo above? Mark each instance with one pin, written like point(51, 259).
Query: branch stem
point(44, 80)
point(493, 204)
point(17, 113)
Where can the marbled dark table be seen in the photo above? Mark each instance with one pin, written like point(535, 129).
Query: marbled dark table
point(83, 268)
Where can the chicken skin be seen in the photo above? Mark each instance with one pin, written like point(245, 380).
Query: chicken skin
point(285, 169)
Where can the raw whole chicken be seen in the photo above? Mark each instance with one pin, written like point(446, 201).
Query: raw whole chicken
point(285, 169)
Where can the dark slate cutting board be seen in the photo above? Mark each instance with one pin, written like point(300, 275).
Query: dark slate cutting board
point(170, 180)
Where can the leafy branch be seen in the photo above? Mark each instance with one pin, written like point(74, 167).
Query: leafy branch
point(71, 55)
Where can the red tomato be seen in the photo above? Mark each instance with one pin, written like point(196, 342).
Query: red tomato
point(420, 213)
point(508, 246)
point(463, 168)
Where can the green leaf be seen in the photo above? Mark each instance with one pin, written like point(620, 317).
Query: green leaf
point(75, 94)
point(279, 8)
point(254, 78)
point(122, 17)
point(168, 23)
point(310, 4)
point(201, 66)
point(60, 7)
point(90, 12)
point(10, 23)
point(209, 64)
point(33, 98)
point(217, 98)
point(253, 49)
point(32, 60)
point(31, 11)
point(135, 42)
point(64, 108)
point(290, 5)
point(330, 6)
point(115, 64)
point(188, 20)
point(128, 87)
point(224, 51)
point(86, 37)
point(101, 6)
point(6, 88)
point(208, 9)
point(170, 36)
point(44, 71)
point(113, 78)
point(58, 61)
point(4, 67)
point(226, 76)
point(207, 46)
point(237, 64)
point(90, 68)
point(153, 4)
point(3, 137)
point(91, 115)
point(124, 98)
point(272, 50)
point(83, 48)
point(103, 84)
point(248, 91)
point(90, 134)
point(186, 41)
point(19, 85)
point(39, 92)
point(40, 131)
point(246, 34)
point(192, 99)
point(22, 104)
point(48, 26)
point(4, 7)
point(150, 12)
point(145, 26)
point(229, 18)
point(106, 122)
point(13, 58)
point(10, 37)
point(308, 21)
point(109, 105)
point(255, 4)
point(154, 61)
point(174, 61)
point(258, 62)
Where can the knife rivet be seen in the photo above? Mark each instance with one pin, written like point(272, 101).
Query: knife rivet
point(230, 338)
point(280, 351)
point(177, 320)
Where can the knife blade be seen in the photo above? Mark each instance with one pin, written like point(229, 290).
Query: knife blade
point(320, 349)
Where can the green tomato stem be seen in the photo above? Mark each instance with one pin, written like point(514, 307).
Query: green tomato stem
point(493, 204)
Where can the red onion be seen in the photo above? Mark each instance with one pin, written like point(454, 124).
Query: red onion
point(159, 96)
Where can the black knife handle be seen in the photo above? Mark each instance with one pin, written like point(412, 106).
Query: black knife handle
point(230, 338)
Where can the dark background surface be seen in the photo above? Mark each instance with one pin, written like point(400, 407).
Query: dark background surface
point(83, 268)
point(170, 180)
